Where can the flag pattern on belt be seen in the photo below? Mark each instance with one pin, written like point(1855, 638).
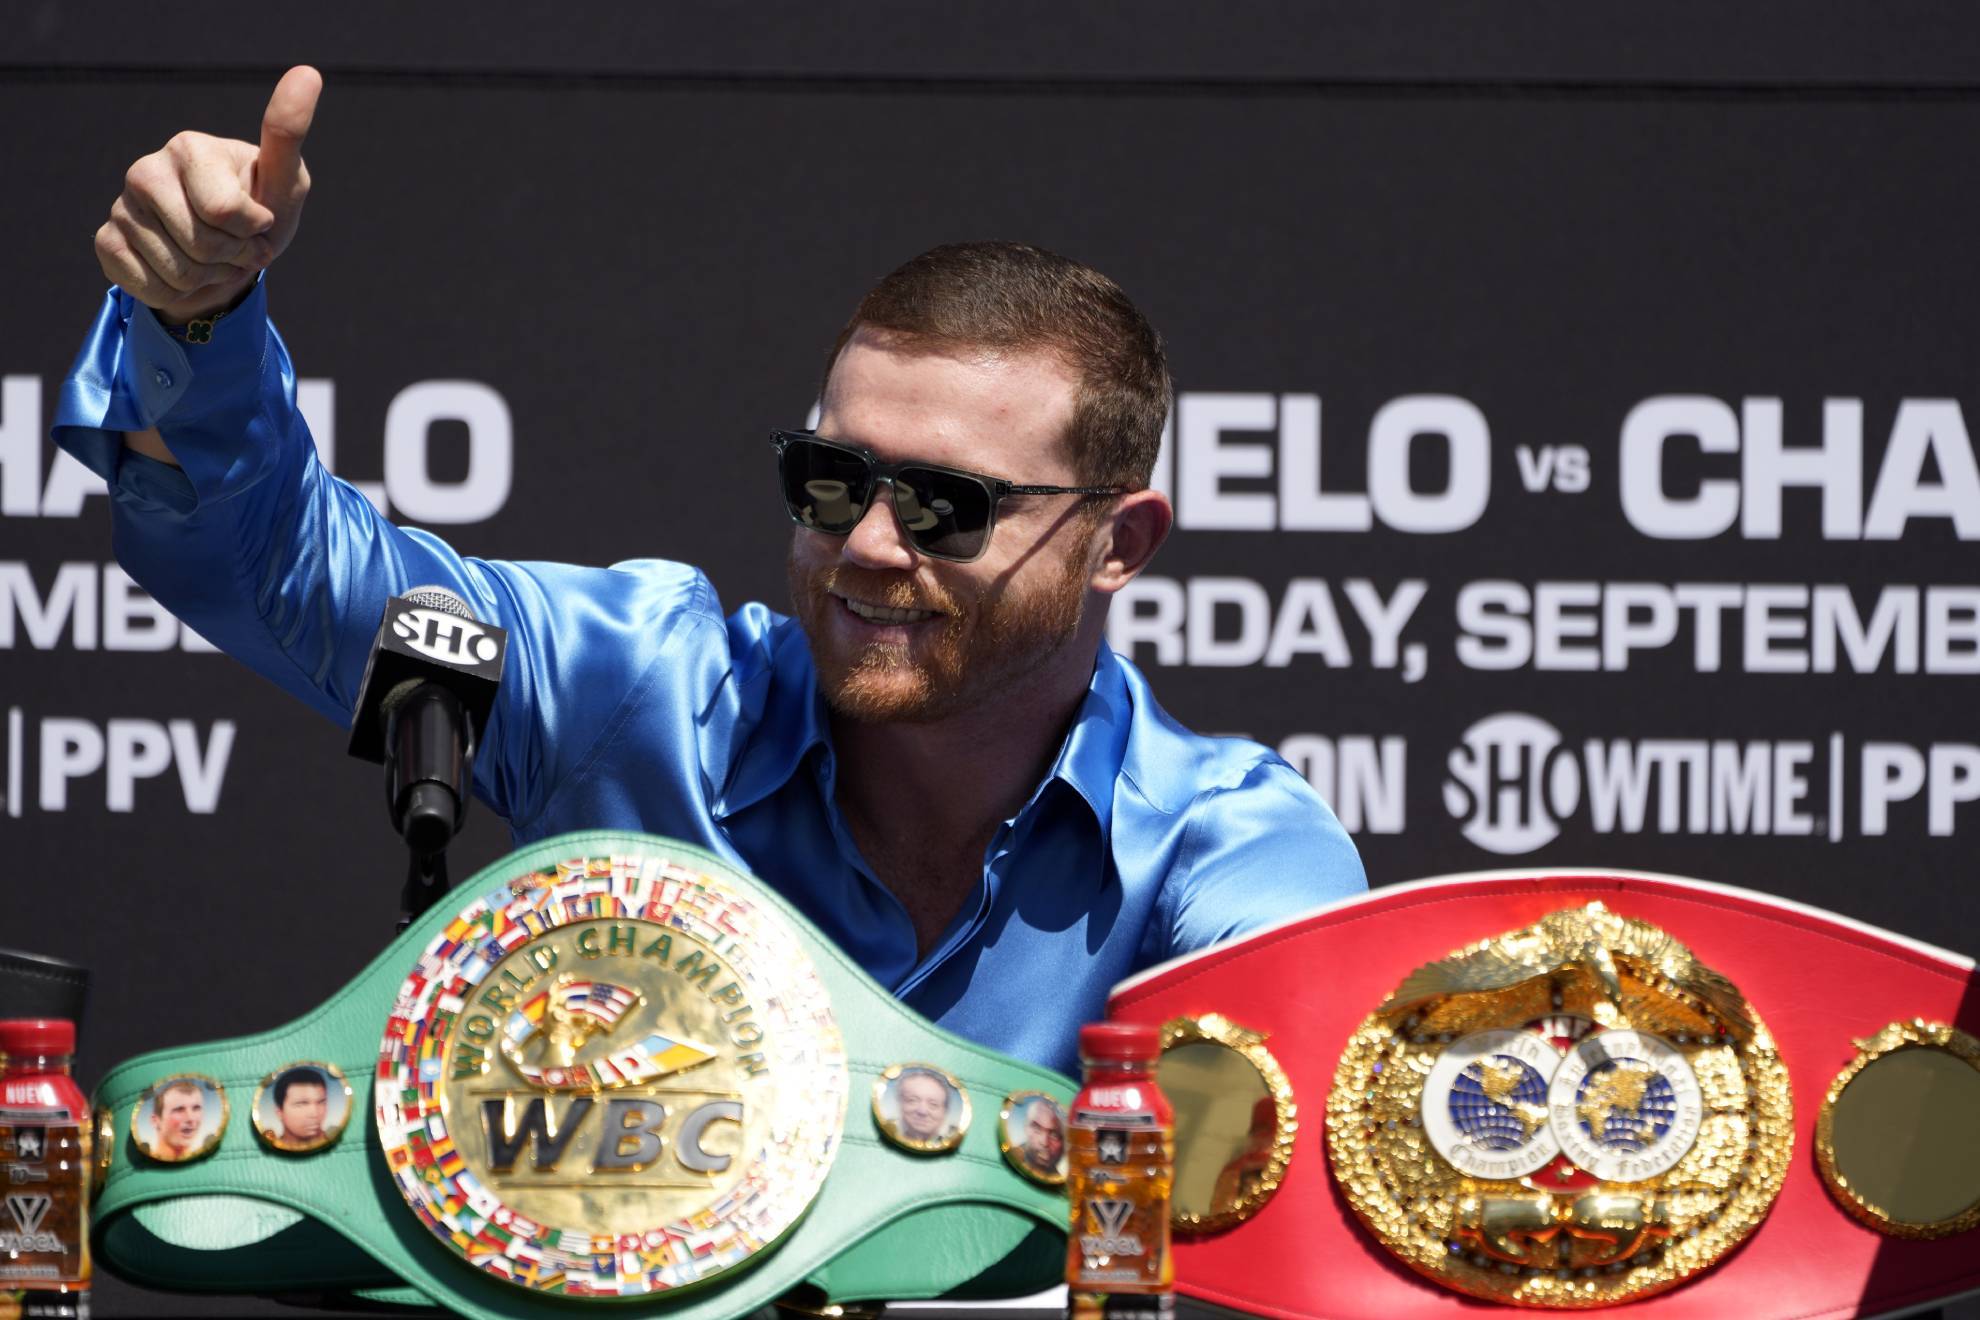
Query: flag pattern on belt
point(774, 1181)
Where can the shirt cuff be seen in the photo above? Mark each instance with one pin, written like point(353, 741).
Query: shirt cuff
point(132, 375)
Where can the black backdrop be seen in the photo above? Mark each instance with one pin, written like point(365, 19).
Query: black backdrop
point(1539, 289)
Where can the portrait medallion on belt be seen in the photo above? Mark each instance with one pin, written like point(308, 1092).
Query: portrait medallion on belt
point(1575, 1114)
point(616, 1077)
point(920, 1108)
point(180, 1118)
point(302, 1107)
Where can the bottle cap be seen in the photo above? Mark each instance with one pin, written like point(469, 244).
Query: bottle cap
point(1119, 1042)
point(31, 1036)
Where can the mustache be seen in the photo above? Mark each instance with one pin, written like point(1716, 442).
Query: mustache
point(893, 591)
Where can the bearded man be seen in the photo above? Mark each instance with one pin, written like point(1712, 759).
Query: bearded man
point(1044, 1136)
point(938, 760)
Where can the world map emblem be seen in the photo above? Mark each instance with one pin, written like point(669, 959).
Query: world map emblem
point(1485, 1103)
point(614, 1077)
point(1625, 1105)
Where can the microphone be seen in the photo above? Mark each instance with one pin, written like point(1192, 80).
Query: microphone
point(428, 688)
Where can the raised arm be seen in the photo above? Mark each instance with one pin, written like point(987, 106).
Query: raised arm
point(222, 511)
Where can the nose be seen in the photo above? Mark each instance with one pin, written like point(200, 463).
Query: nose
point(878, 540)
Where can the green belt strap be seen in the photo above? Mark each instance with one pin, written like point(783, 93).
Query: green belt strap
point(886, 1224)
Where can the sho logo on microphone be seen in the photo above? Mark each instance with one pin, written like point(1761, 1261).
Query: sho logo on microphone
point(447, 638)
point(428, 635)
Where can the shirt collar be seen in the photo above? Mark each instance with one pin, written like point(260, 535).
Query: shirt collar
point(1090, 759)
point(794, 722)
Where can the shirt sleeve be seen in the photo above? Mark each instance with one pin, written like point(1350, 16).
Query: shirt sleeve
point(258, 548)
point(1256, 853)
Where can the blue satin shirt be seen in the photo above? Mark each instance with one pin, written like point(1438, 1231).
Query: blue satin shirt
point(629, 701)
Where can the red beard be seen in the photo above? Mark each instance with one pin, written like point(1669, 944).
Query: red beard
point(978, 648)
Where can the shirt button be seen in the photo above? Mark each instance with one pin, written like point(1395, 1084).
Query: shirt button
point(163, 377)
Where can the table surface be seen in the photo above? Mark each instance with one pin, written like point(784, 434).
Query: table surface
point(115, 1300)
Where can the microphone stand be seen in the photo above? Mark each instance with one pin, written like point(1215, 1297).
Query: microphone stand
point(426, 880)
point(429, 760)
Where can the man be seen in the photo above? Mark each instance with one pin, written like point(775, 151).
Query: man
point(939, 761)
point(924, 1105)
point(302, 1102)
point(177, 1114)
point(1044, 1136)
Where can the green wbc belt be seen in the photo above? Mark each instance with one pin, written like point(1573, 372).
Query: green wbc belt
point(608, 1070)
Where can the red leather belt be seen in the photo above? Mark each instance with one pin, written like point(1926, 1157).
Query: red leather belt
point(1818, 981)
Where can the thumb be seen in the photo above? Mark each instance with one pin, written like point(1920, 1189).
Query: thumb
point(284, 125)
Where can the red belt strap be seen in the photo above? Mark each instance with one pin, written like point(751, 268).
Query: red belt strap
point(1818, 980)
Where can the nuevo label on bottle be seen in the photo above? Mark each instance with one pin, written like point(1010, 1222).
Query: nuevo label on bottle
point(42, 1213)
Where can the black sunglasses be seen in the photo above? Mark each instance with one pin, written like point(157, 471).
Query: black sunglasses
point(947, 513)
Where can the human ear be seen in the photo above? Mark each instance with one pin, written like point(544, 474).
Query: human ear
point(1129, 536)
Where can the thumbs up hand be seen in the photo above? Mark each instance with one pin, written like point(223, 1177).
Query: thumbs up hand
point(200, 217)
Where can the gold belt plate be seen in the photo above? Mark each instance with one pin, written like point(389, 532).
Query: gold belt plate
point(615, 1077)
point(1575, 1114)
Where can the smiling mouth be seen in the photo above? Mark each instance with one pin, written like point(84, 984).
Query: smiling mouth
point(885, 614)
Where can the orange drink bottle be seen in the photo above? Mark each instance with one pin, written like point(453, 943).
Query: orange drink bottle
point(1120, 1168)
point(44, 1174)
